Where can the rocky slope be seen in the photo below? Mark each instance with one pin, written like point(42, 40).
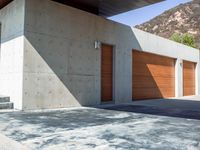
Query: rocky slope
point(184, 18)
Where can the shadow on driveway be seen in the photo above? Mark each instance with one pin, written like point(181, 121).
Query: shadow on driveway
point(111, 127)
point(189, 109)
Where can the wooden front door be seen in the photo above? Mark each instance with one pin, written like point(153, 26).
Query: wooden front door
point(106, 73)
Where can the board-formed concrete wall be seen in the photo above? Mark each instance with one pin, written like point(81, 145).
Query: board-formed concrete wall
point(62, 66)
point(11, 51)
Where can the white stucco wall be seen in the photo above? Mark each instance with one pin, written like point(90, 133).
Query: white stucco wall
point(12, 46)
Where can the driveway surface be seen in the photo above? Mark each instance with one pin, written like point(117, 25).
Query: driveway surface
point(114, 127)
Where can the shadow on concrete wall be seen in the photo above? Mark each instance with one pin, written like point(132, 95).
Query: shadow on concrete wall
point(53, 57)
point(57, 61)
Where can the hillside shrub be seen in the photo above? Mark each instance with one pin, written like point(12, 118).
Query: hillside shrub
point(185, 39)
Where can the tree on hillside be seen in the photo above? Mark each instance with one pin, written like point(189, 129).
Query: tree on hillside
point(185, 39)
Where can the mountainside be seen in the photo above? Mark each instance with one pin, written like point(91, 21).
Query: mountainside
point(184, 18)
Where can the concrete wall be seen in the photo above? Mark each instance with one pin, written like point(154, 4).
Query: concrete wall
point(11, 58)
point(158, 45)
point(62, 67)
point(48, 58)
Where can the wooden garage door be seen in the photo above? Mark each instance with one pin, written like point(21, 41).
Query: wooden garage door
point(188, 78)
point(153, 76)
point(106, 73)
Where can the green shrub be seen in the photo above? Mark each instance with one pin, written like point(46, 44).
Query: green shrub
point(186, 39)
point(176, 37)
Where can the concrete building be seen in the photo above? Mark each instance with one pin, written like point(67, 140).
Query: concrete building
point(54, 55)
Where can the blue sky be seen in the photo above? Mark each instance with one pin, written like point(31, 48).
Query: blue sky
point(144, 14)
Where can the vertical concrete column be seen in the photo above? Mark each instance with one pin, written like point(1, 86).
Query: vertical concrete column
point(179, 78)
point(197, 79)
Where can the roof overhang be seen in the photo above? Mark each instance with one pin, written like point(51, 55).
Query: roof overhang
point(107, 8)
point(3, 3)
point(104, 8)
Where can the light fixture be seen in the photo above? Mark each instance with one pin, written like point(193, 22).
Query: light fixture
point(97, 45)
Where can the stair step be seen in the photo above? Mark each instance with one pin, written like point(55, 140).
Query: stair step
point(4, 99)
point(6, 105)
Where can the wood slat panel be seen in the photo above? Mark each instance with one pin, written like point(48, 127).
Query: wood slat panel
point(189, 91)
point(151, 59)
point(151, 93)
point(188, 78)
point(153, 76)
point(106, 73)
point(153, 70)
point(161, 81)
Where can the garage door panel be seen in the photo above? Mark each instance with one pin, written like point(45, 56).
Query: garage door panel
point(188, 83)
point(189, 75)
point(139, 94)
point(148, 81)
point(161, 91)
point(153, 76)
point(189, 91)
point(153, 70)
point(188, 78)
point(188, 70)
point(150, 93)
point(188, 65)
point(152, 59)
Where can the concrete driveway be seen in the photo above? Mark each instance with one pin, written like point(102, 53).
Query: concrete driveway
point(137, 126)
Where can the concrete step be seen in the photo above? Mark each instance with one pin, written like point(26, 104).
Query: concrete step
point(6, 105)
point(4, 99)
